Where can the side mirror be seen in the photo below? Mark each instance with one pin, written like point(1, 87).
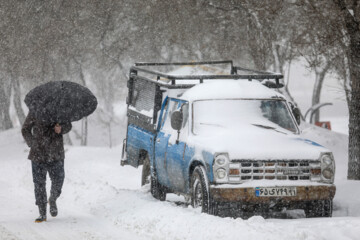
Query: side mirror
point(176, 120)
point(296, 112)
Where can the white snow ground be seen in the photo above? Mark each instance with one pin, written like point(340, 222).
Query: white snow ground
point(102, 200)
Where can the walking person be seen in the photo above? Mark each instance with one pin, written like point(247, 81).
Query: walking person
point(47, 156)
point(52, 108)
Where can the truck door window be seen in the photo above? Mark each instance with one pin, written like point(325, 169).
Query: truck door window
point(185, 111)
point(171, 108)
point(163, 117)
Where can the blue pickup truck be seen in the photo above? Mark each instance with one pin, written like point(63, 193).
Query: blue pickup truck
point(228, 142)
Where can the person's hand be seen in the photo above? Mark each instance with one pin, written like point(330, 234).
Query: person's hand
point(57, 128)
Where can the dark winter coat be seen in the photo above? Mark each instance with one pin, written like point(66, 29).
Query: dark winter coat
point(45, 144)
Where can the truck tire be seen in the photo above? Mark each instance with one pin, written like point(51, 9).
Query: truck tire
point(200, 196)
point(145, 171)
point(319, 208)
point(156, 189)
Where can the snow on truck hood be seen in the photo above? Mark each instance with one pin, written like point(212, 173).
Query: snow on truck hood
point(254, 143)
point(225, 89)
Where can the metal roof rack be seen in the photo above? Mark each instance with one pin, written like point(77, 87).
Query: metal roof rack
point(248, 74)
point(146, 86)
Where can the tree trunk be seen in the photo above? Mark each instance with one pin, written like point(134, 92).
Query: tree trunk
point(278, 67)
point(347, 80)
point(84, 123)
point(354, 113)
point(110, 137)
point(352, 27)
point(84, 131)
point(5, 93)
point(286, 90)
point(319, 80)
point(17, 100)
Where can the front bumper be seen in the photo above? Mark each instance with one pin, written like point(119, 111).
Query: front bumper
point(246, 195)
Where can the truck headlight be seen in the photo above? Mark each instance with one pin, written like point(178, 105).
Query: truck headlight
point(328, 173)
point(327, 160)
point(327, 167)
point(221, 159)
point(221, 173)
point(221, 167)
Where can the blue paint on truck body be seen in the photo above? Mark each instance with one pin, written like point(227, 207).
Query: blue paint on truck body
point(138, 139)
point(171, 161)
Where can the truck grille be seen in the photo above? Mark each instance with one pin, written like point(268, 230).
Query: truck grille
point(274, 170)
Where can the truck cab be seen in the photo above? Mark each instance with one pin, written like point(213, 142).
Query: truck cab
point(228, 142)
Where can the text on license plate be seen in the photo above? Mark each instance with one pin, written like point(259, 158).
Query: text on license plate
point(275, 191)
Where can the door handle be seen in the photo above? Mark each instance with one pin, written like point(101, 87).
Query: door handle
point(158, 140)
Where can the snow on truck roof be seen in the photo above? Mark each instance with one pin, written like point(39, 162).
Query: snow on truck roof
point(222, 89)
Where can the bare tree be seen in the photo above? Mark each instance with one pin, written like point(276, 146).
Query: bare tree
point(342, 68)
point(269, 35)
point(317, 43)
point(349, 12)
point(321, 65)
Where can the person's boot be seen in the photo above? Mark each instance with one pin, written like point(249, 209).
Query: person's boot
point(42, 211)
point(53, 207)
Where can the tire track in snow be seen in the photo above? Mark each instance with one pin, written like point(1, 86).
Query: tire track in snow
point(5, 234)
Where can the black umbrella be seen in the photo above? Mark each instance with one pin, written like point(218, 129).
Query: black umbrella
point(60, 102)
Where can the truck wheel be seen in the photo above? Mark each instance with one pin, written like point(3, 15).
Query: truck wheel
point(319, 208)
point(145, 171)
point(213, 207)
point(199, 190)
point(157, 190)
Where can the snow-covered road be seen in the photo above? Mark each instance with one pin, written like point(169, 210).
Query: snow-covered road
point(102, 200)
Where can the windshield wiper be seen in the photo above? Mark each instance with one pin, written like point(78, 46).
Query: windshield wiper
point(268, 127)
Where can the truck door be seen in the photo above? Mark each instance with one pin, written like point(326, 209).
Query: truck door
point(174, 162)
point(176, 153)
point(144, 102)
point(175, 165)
point(160, 157)
point(161, 144)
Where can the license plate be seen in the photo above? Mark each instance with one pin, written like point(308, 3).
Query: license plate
point(275, 191)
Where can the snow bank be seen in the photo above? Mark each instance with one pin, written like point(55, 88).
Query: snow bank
point(346, 201)
point(336, 142)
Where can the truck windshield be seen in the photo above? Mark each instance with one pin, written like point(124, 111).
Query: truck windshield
point(230, 113)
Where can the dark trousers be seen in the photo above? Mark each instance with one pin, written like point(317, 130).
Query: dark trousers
point(57, 175)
